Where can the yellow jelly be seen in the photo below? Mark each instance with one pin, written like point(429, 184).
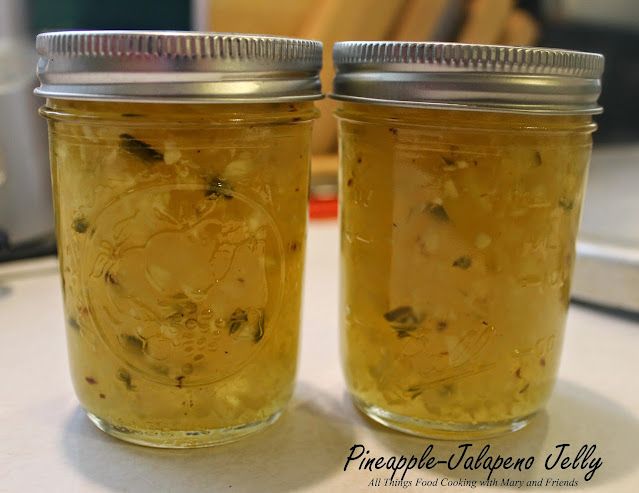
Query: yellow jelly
point(457, 246)
point(181, 233)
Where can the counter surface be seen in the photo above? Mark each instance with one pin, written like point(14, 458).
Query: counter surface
point(47, 444)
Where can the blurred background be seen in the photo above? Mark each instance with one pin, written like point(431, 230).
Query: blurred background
point(610, 233)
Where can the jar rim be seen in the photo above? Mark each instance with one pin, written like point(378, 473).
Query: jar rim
point(477, 122)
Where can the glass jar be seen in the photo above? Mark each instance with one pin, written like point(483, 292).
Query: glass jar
point(181, 203)
point(462, 177)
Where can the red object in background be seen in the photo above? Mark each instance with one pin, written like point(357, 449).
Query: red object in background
point(323, 207)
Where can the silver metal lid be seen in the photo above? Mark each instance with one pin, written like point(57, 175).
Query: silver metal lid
point(468, 77)
point(170, 66)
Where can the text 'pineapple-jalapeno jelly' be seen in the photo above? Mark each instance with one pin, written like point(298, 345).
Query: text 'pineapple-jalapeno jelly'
point(180, 166)
point(462, 179)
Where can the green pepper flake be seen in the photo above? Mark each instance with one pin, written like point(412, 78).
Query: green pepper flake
point(139, 149)
point(451, 165)
point(110, 278)
point(566, 204)
point(437, 211)
point(218, 188)
point(132, 342)
point(91, 380)
point(125, 376)
point(414, 391)
point(102, 396)
point(259, 328)
point(464, 262)
point(446, 390)
point(238, 318)
point(80, 224)
point(537, 159)
point(403, 320)
point(73, 323)
point(401, 314)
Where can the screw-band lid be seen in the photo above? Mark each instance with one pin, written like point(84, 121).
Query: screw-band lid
point(468, 76)
point(173, 66)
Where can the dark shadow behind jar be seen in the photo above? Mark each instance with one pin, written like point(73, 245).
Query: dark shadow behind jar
point(26, 215)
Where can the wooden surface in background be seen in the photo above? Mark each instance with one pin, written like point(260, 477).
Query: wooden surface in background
point(325, 164)
point(422, 20)
point(337, 20)
point(521, 29)
point(485, 21)
point(468, 21)
point(279, 17)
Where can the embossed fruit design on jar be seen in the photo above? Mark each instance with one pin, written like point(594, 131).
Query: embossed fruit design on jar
point(181, 223)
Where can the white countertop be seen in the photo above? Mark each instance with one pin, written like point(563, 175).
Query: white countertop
point(47, 444)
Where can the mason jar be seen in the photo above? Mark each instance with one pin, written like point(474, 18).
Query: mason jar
point(462, 178)
point(180, 166)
